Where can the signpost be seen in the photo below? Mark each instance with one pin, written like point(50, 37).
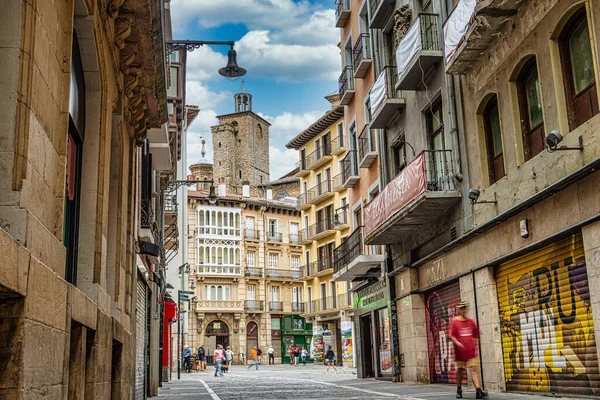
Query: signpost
point(182, 295)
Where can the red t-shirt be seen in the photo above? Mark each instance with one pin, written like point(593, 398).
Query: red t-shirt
point(465, 332)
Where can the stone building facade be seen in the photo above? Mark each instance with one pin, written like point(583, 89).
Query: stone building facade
point(84, 107)
point(245, 270)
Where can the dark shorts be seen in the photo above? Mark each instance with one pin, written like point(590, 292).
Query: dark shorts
point(202, 358)
point(330, 360)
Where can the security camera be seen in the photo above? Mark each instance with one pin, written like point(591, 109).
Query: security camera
point(553, 139)
point(474, 195)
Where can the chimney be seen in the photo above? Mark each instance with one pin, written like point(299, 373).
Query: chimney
point(269, 194)
point(222, 191)
point(246, 190)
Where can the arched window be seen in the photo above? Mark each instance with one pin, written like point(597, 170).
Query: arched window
point(259, 130)
point(213, 293)
point(530, 108)
point(219, 292)
point(578, 70)
point(493, 139)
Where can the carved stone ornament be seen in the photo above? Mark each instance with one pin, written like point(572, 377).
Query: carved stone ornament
point(236, 323)
point(199, 322)
point(402, 19)
point(123, 26)
point(127, 54)
point(113, 7)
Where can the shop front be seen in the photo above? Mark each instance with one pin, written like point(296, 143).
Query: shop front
point(170, 317)
point(440, 309)
point(275, 338)
point(295, 331)
point(546, 321)
point(373, 323)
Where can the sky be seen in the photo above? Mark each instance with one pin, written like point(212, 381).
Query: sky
point(288, 47)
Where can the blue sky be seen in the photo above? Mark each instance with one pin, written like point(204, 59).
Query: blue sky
point(290, 51)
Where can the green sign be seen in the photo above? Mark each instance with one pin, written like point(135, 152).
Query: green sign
point(372, 297)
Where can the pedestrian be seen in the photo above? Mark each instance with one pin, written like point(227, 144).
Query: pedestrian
point(241, 358)
point(330, 359)
point(228, 357)
point(254, 357)
point(219, 357)
point(201, 356)
point(259, 353)
point(465, 334)
point(187, 358)
point(291, 354)
point(296, 355)
point(271, 353)
point(303, 353)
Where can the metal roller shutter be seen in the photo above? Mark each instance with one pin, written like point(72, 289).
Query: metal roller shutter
point(140, 342)
point(546, 319)
point(440, 309)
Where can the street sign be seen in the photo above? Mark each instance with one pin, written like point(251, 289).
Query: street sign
point(184, 292)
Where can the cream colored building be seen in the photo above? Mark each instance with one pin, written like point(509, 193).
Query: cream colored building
point(323, 201)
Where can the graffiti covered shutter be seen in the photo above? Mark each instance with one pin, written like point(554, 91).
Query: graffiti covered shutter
point(440, 309)
point(141, 342)
point(546, 320)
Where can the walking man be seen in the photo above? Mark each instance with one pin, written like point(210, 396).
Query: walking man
point(254, 357)
point(219, 357)
point(271, 353)
point(465, 333)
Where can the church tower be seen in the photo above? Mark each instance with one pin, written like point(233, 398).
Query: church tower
point(241, 147)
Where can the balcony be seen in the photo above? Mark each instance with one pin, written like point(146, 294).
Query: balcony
point(276, 306)
point(218, 270)
point(342, 12)
point(298, 307)
point(350, 170)
point(337, 183)
point(294, 238)
point(285, 274)
point(471, 28)
point(386, 100)
point(322, 306)
point(303, 237)
point(274, 237)
point(320, 157)
point(170, 204)
point(321, 229)
point(344, 301)
point(253, 272)
point(337, 145)
point(355, 261)
point(220, 305)
point(254, 305)
point(346, 85)
point(252, 234)
point(361, 55)
point(302, 166)
point(420, 195)
point(320, 267)
point(304, 201)
point(418, 53)
point(381, 10)
point(341, 218)
point(367, 149)
point(322, 191)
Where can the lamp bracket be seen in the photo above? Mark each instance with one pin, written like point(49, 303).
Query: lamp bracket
point(191, 45)
point(174, 185)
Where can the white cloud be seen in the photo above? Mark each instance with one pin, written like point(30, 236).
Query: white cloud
point(282, 161)
point(198, 131)
point(286, 40)
point(287, 125)
point(199, 94)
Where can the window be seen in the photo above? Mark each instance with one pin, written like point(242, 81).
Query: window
point(294, 229)
point(295, 267)
point(273, 231)
point(530, 107)
point(240, 174)
point(274, 293)
point(296, 295)
point(493, 140)
point(251, 292)
point(260, 131)
point(340, 134)
point(368, 110)
point(250, 259)
point(282, 194)
point(578, 70)
point(173, 81)
point(399, 155)
point(217, 292)
point(303, 159)
point(273, 262)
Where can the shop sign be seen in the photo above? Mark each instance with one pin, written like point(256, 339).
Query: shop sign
point(372, 297)
point(346, 334)
point(275, 334)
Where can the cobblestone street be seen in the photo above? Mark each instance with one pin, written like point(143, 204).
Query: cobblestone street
point(310, 382)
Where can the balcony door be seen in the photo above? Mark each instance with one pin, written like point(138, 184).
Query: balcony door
point(319, 181)
point(274, 297)
point(329, 216)
point(327, 187)
point(296, 298)
point(333, 292)
point(309, 299)
point(273, 229)
point(294, 232)
point(295, 260)
point(323, 296)
point(273, 264)
point(326, 144)
point(435, 134)
point(251, 297)
point(250, 230)
point(320, 218)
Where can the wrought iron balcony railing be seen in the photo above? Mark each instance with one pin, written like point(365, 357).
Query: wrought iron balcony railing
point(283, 273)
point(275, 306)
point(298, 307)
point(361, 55)
point(251, 234)
point(253, 272)
point(274, 237)
point(254, 305)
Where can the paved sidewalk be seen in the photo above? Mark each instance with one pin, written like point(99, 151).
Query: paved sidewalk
point(308, 382)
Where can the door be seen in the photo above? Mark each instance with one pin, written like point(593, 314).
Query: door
point(295, 261)
point(367, 346)
point(294, 233)
point(328, 180)
point(329, 216)
point(297, 299)
point(435, 130)
point(546, 318)
point(141, 359)
point(333, 292)
point(274, 298)
point(323, 296)
point(319, 181)
point(309, 303)
point(251, 297)
point(440, 309)
point(326, 144)
point(251, 338)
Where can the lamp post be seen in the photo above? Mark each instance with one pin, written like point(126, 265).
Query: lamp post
point(182, 295)
point(231, 71)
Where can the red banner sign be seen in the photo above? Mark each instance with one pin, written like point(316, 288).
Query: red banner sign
point(405, 187)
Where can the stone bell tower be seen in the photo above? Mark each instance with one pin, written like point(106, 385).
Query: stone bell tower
point(241, 147)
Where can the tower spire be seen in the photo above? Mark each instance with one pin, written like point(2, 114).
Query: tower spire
point(243, 99)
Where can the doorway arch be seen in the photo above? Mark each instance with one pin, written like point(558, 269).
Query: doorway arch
point(218, 331)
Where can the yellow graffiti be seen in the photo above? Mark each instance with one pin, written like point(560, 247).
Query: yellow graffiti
point(546, 319)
